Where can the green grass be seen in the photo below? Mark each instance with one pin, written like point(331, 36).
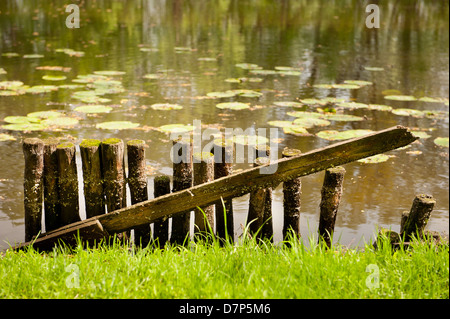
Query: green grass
point(243, 270)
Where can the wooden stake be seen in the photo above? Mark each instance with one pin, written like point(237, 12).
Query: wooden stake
point(418, 216)
point(94, 195)
point(52, 208)
point(182, 179)
point(203, 173)
point(161, 226)
point(33, 151)
point(137, 181)
point(68, 183)
point(331, 196)
point(292, 191)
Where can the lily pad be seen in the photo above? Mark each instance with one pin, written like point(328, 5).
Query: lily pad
point(220, 95)
point(263, 72)
point(166, 106)
point(296, 130)
point(25, 127)
point(379, 158)
point(323, 86)
point(421, 134)
point(430, 99)
point(41, 115)
point(8, 93)
point(38, 89)
point(358, 82)
point(280, 123)
point(2, 71)
point(400, 97)
point(373, 68)
point(71, 86)
point(233, 106)
point(302, 114)
point(6, 137)
point(33, 56)
point(332, 135)
point(94, 108)
point(346, 86)
point(117, 125)
point(408, 112)
point(313, 101)
point(342, 117)
point(311, 122)
point(17, 120)
point(391, 92)
point(441, 141)
point(288, 103)
point(248, 66)
point(54, 77)
point(11, 85)
point(353, 105)
point(10, 54)
point(380, 107)
point(152, 76)
point(60, 121)
point(289, 72)
point(109, 72)
point(176, 128)
point(251, 140)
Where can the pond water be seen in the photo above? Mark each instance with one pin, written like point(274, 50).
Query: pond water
point(178, 51)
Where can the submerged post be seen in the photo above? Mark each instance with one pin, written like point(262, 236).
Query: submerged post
point(203, 173)
point(68, 183)
point(137, 181)
point(91, 160)
point(418, 216)
point(52, 209)
point(33, 151)
point(331, 196)
point(292, 191)
point(161, 226)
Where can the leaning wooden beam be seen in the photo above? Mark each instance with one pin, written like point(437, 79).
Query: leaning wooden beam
point(246, 181)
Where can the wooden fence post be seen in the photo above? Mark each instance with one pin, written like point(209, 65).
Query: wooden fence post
point(161, 226)
point(331, 196)
point(94, 195)
point(203, 173)
point(292, 191)
point(137, 181)
point(52, 208)
point(418, 216)
point(223, 151)
point(68, 183)
point(182, 179)
point(33, 151)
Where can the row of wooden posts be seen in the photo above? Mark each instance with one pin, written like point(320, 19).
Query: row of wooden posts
point(51, 182)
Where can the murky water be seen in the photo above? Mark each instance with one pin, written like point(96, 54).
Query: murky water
point(327, 40)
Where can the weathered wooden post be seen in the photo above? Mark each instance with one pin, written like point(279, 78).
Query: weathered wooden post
point(52, 209)
point(161, 226)
point(203, 173)
point(331, 196)
point(223, 151)
point(68, 183)
point(137, 181)
point(292, 191)
point(260, 208)
point(33, 151)
point(418, 216)
point(182, 179)
point(90, 150)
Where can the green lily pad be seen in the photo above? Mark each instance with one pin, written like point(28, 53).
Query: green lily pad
point(332, 135)
point(342, 117)
point(89, 78)
point(60, 121)
point(54, 77)
point(441, 141)
point(94, 108)
point(346, 86)
point(353, 105)
point(8, 93)
point(287, 68)
point(430, 99)
point(311, 122)
point(11, 85)
point(38, 89)
point(248, 66)
point(95, 99)
point(207, 59)
point(288, 104)
point(6, 137)
point(420, 134)
point(323, 86)
point(71, 86)
point(380, 107)
point(33, 56)
point(280, 123)
point(358, 82)
point(152, 76)
point(176, 128)
point(289, 72)
point(296, 130)
point(166, 106)
point(25, 127)
point(233, 106)
point(109, 72)
point(10, 54)
point(391, 92)
point(302, 114)
point(251, 140)
point(400, 97)
point(313, 101)
point(408, 112)
point(263, 72)
point(373, 68)
point(17, 120)
point(42, 115)
point(117, 125)
point(379, 158)
point(220, 95)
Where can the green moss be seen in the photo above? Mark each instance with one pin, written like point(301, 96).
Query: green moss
point(111, 141)
point(66, 145)
point(136, 142)
point(291, 152)
point(90, 143)
point(205, 156)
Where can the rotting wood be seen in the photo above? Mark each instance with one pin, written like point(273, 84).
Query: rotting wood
point(418, 216)
point(292, 191)
point(33, 151)
point(52, 208)
point(161, 225)
point(251, 179)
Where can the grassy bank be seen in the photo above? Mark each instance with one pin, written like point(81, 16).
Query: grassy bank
point(246, 270)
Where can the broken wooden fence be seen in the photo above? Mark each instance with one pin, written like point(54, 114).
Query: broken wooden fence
point(51, 177)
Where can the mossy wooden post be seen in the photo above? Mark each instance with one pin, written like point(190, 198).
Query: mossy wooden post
point(161, 226)
point(33, 151)
point(137, 181)
point(223, 151)
point(182, 179)
point(68, 183)
point(331, 196)
point(260, 208)
point(203, 173)
point(90, 150)
point(292, 191)
point(52, 209)
point(418, 216)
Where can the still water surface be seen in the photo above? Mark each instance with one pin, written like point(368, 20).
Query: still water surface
point(193, 46)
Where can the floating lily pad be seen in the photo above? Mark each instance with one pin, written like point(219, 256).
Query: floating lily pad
point(38, 89)
point(11, 85)
point(289, 72)
point(311, 122)
point(358, 82)
point(6, 137)
point(287, 68)
point(248, 66)
point(379, 158)
point(109, 72)
point(400, 97)
point(8, 93)
point(342, 117)
point(280, 123)
point(323, 86)
point(373, 68)
point(41, 115)
point(380, 107)
point(207, 59)
point(53, 68)
point(89, 78)
point(94, 108)
point(296, 130)
point(60, 121)
point(263, 72)
point(333, 135)
point(233, 106)
point(54, 77)
point(17, 120)
point(313, 101)
point(421, 134)
point(33, 56)
point(166, 106)
point(25, 127)
point(346, 86)
point(117, 125)
point(408, 112)
point(352, 105)
point(288, 103)
point(441, 141)
point(71, 86)
point(152, 76)
point(430, 99)
point(220, 95)
point(302, 114)
point(176, 128)
point(391, 92)
point(10, 54)
point(251, 140)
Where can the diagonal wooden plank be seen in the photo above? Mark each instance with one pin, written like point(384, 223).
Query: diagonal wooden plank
point(246, 181)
